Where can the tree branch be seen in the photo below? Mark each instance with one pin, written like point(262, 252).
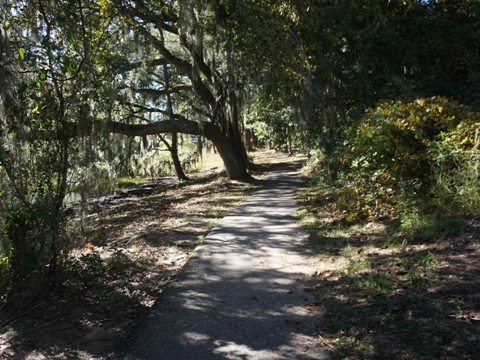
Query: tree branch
point(184, 66)
point(160, 127)
point(162, 92)
point(136, 65)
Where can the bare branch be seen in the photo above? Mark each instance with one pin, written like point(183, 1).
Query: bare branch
point(161, 92)
point(138, 64)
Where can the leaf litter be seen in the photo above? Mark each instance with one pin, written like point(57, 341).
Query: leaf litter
point(385, 293)
point(127, 252)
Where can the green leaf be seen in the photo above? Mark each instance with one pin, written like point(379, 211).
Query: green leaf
point(67, 63)
point(21, 53)
point(59, 20)
point(42, 76)
point(6, 26)
point(71, 38)
point(13, 130)
point(22, 88)
point(50, 55)
point(35, 97)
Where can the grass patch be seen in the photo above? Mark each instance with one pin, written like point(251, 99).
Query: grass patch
point(395, 288)
point(126, 182)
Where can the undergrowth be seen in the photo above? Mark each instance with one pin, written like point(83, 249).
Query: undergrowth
point(384, 287)
point(392, 216)
point(400, 157)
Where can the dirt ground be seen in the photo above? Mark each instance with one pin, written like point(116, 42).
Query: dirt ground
point(388, 293)
point(127, 250)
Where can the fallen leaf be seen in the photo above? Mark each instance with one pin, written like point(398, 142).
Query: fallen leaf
point(303, 348)
point(475, 316)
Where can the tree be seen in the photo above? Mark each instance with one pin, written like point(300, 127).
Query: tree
point(174, 147)
point(331, 60)
point(176, 33)
point(44, 56)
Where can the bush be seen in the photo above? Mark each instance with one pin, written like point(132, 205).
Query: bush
point(457, 170)
point(398, 153)
point(29, 249)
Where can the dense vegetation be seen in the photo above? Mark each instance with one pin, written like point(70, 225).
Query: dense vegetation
point(383, 94)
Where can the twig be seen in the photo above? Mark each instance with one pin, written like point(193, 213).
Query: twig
point(10, 321)
point(126, 240)
point(330, 345)
point(49, 323)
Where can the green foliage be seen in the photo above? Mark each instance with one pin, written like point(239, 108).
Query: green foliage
point(118, 261)
point(378, 277)
point(398, 153)
point(80, 273)
point(90, 265)
point(422, 228)
point(330, 60)
point(45, 103)
point(457, 170)
point(270, 121)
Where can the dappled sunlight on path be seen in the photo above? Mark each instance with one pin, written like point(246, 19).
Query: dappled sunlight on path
point(242, 294)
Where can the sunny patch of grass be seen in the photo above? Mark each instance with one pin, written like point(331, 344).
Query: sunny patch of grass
point(424, 228)
point(211, 160)
point(211, 223)
point(126, 182)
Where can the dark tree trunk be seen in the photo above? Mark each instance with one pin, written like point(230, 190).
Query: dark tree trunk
point(174, 154)
point(176, 161)
point(199, 147)
point(174, 148)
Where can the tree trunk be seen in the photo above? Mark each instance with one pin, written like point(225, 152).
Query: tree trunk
point(176, 161)
point(199, 147)
point(234, 165)
point(174, 154)
point(289, 139)
point(174, 148)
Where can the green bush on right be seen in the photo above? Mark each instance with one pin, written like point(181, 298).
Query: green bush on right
point(420, 155)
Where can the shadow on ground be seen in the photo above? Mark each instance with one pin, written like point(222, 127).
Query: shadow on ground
point(392, 294)
point(245, 292)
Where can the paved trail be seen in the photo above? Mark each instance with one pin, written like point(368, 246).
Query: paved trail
point(242, 293)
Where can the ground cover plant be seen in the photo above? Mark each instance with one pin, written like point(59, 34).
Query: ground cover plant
point(401, 288)
point(419, 155)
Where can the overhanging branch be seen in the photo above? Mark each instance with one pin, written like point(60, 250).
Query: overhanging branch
point(162, 92)
point(160, 127)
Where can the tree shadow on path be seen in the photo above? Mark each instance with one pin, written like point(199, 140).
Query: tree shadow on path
point(244, 292)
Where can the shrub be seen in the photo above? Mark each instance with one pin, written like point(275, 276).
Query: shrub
point(456, 157)
point(398, 152)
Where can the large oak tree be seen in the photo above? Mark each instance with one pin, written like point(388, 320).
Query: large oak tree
point(180, 36)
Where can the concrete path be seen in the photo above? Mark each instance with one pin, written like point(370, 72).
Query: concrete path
point(244, 292)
